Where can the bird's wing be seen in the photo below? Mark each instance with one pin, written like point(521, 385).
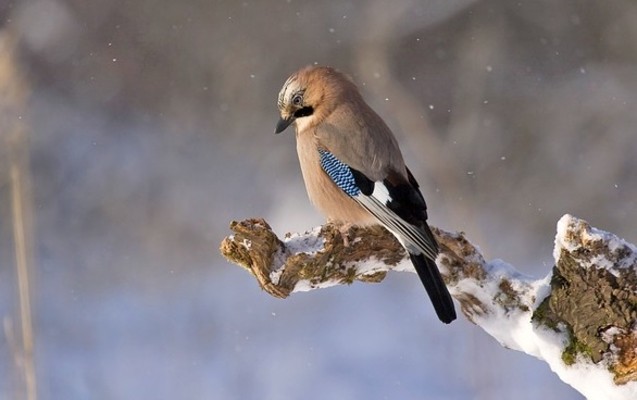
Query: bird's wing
point(358, 137)
point(395, 201)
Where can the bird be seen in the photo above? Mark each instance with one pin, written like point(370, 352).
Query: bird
point(354, 171)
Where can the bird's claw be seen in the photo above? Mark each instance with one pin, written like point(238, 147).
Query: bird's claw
point(345, 233)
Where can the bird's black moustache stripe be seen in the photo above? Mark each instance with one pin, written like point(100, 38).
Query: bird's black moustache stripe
point(304, 112)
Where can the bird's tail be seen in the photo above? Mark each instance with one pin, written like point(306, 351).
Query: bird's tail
point(435, 286)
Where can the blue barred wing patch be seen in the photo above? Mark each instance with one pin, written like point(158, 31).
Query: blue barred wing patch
point(339, 173)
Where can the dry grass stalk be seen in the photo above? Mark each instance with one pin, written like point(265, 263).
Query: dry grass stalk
point(13, 95)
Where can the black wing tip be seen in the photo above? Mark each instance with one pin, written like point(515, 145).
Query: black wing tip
point(435, 287)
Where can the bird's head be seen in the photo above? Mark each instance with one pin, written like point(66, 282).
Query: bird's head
point(309, 95)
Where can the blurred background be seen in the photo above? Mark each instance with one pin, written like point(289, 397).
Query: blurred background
point(134, 131)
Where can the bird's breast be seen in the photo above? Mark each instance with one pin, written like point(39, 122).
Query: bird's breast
point(326, 196)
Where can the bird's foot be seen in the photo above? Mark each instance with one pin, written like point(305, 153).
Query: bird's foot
point(344, 229)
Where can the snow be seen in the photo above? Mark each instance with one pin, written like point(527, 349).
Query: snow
point(368, 267)
point(566, 241)
point(309, 244)
point(306, 286)
point(511, 328)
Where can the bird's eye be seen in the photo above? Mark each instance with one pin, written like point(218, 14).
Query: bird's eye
point(297, 100)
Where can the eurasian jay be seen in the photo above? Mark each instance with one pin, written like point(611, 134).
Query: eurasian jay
point(354, 171)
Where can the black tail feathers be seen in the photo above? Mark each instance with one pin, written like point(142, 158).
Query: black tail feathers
point(435, 286)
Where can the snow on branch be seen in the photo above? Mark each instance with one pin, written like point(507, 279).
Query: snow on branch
point(580, 319)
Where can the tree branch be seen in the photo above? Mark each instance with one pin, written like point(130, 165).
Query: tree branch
point(580, 319)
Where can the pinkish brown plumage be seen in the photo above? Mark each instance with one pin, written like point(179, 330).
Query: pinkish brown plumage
point(354, 171)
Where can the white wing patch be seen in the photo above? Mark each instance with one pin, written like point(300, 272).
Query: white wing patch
point(381, 193)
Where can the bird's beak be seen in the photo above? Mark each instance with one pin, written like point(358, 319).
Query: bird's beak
point(283, 123)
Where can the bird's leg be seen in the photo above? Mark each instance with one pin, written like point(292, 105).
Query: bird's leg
point(344, 229)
